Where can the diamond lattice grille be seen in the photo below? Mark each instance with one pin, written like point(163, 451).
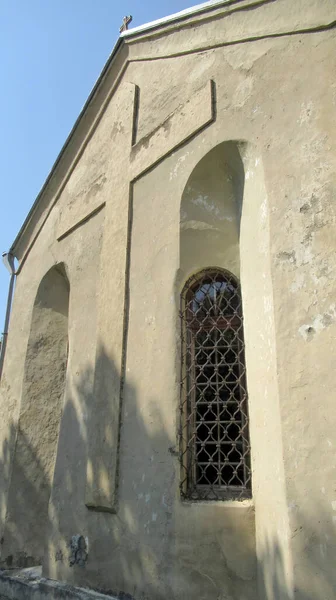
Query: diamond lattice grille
point(214, 444)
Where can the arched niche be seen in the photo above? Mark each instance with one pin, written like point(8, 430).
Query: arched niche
point(39, 420)
point(210, 215)
point(210, 212)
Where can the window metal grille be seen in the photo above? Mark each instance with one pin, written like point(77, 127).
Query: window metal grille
point(214, 436)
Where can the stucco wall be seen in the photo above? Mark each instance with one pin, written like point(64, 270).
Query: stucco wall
point(81, 268)
point(116, 226)
point(39, 421)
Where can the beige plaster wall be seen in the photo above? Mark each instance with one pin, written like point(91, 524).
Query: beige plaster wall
point(82, 273)
point(81, 268)
point(302, 234)
point(38, 425)
point(150, 497)
point(275, 97)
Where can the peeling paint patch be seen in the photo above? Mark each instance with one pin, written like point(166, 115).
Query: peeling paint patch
point(298, 283)
point(305, 207)
point(306, 113)
point(304, 255)
point(204, 202)
point(174, 172)
point(308, 330)
point(197, 225)
point(150, 320)
point(287, 257)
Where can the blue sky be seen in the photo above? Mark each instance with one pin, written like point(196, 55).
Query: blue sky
point(52, 52)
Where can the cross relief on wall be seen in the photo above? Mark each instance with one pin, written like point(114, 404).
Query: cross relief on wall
point(141, 155)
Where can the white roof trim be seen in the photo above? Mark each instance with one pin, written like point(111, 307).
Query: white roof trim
point(193, 10)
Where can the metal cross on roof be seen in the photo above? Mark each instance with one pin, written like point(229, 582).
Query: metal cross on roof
point(125, 23)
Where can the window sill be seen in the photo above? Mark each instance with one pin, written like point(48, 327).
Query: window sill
point(246, 503)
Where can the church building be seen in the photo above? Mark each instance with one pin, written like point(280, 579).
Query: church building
point(167, 395)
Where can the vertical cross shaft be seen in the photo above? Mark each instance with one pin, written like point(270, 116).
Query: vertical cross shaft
point(126, 21)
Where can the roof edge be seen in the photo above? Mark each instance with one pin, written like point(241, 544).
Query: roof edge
point(123, 38)
point(96, 86)
point(199, 8)
point(123, 43)
point(183, 14)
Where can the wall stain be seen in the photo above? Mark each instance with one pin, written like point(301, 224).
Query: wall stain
point(319, 323)
point(284, 257)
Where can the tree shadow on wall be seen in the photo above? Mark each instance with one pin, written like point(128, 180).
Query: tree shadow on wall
point(123, 556)
point(111, 537)
point(13, 536)
point(313, 542)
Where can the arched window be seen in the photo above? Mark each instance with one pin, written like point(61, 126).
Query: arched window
point(215, 448)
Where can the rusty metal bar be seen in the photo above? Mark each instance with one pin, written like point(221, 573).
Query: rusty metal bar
point(214, 437)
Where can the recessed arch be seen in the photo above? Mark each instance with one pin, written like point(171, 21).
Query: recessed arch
point(214, 432)
point(210, 212)
point(39, 420)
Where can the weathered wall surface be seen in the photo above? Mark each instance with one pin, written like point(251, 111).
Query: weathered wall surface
point(39, 421)
point(82, 269)
point(304, 265)
point(116, 226)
